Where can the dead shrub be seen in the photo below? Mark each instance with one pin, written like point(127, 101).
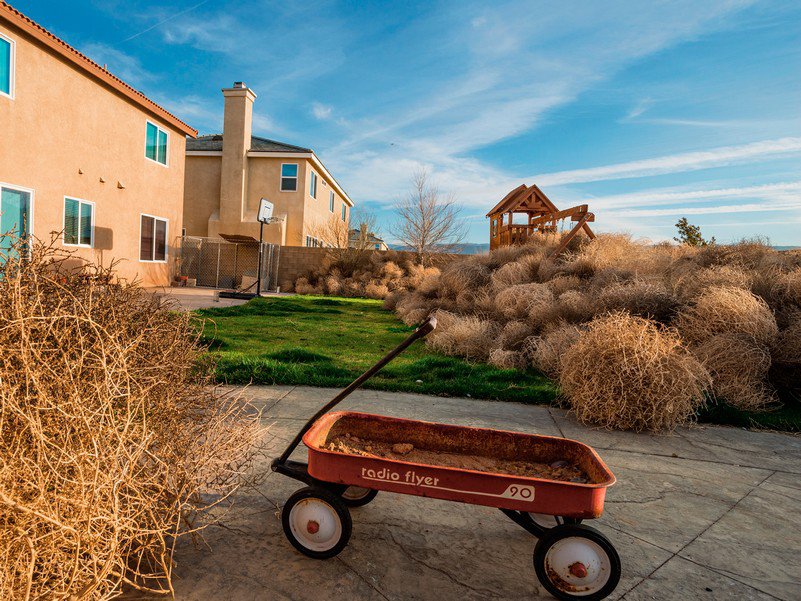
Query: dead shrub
point(515, 301)
point(376, 291)
point(564, 283)
point(788, 344)
point(303, 286)
point(739, 368)
point(333, 284)
point(412, 308)
point(545, 352)
point(639, 297)
point(573, 306)
point(391, 300)
point(391, 270)
point(721, 310)
point(513, 334)
point(504, 359)
point(629, 373)
point(522, 271)
point(113, 441)
point(695, 282)
point(469, 273)
point(468, 337)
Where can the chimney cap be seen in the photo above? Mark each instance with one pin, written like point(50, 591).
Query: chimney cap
point(239, 84)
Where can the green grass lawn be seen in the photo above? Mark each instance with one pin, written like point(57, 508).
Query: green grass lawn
point(317, 341)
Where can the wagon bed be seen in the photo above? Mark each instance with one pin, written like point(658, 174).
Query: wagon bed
point(502, 490)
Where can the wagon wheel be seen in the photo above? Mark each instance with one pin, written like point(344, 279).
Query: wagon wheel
point(316, 522)
point(356, 496)
point(576, 562)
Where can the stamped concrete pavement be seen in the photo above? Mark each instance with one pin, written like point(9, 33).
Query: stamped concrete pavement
point(706, 513)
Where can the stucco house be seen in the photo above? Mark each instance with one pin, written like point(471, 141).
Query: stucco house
point(85, 154)
point(228, 174)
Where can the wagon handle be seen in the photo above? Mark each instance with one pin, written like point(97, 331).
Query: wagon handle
point(422, 330)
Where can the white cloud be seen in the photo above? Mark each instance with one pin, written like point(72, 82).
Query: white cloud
point(688, 161)
point(779, 191)
point(756, 207)
point(321, 111)
point(506, 77)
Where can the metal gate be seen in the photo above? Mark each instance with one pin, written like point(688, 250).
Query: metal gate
point(217, 263)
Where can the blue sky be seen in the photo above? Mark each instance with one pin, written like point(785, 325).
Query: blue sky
point(648, 111)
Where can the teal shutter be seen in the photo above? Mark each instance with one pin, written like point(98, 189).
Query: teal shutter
point(86, 223)
point(162, 147)
point(151, 142)
point(71, 218)
point(5, 66)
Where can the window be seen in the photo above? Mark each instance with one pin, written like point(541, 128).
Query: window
point(153, 239)
point(15, 218)
point(6, 66)
point(344, 211)
point(79, 222)
point(313, 185)
point(289, 177)
point(331, 201)
point(156, 143)
point(378, 246)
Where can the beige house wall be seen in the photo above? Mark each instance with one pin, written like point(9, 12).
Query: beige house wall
point(64, 133)
point(304, 214)
point(201, 193)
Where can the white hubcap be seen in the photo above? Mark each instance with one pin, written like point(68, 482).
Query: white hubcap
point(315, 524)
point(578, 566)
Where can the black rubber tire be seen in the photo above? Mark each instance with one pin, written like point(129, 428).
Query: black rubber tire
point(333, 501)
point(359, 502)
point(558, 533)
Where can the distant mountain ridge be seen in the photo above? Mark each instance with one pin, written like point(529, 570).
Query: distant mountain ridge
point(467, 248)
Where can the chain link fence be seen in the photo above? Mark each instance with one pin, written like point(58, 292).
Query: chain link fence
point(217, 263)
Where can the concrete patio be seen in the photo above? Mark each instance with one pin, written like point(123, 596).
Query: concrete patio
point(706, 513)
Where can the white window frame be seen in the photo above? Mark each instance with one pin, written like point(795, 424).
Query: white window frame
point(344, 212)
point(281, 178)
point(331, 199)
point(64, 221)
point(313, 183)
point(166, 239)
point(17, 188)
point(166, 162)
point(12, 59)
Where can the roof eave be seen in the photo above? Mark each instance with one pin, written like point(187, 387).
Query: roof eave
point(58, 46)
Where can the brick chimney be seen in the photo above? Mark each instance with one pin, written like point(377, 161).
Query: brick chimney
point(237, 123)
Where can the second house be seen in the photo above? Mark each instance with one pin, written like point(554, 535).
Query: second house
point(227, 175)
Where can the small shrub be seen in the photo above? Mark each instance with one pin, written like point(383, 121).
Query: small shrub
point(114, 442)
point(639, 297)
point(629, 373)
point(468, 337)
point(545, 352)
point(514, 334)
point(506, 359)
point(722, 310)
point(515, 301)
point(739, 368)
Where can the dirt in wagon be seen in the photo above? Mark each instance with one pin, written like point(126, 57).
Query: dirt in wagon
point(402, 451)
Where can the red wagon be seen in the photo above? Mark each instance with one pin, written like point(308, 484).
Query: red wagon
point(571, 560)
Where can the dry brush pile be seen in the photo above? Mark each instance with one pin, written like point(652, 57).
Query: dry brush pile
point(638, 335)
point(113, 442)
point(367, 274)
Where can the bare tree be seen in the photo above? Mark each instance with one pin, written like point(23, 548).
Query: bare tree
point(427, 221)
point(349, 249)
